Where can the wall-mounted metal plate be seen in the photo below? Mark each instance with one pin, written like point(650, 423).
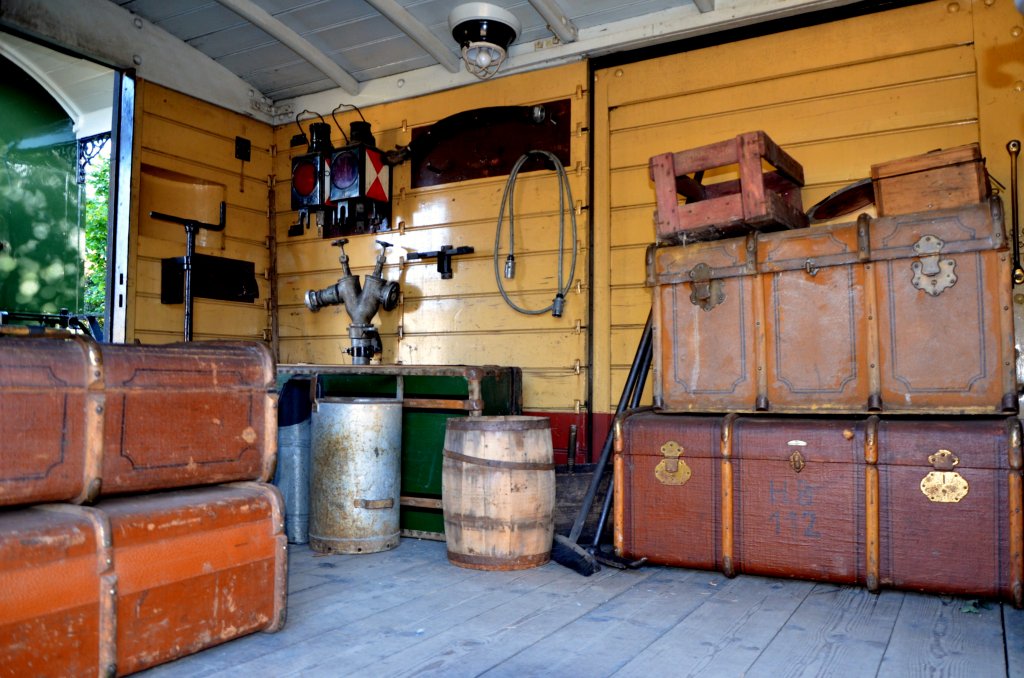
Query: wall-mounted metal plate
point(487, 142)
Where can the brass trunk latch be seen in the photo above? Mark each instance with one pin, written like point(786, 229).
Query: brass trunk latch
point(944, 485)
point(932, 274)
point(672, 470)
point(797, 461)
point(706, 293)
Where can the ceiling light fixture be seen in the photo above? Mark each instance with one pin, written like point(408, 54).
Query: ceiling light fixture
point(484, 31)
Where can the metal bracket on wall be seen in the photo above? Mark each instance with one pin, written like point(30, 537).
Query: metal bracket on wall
point(444, 258)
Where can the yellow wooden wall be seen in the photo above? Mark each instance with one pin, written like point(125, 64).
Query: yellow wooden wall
point(184, 164)
point(838, 97)
point(462, 320)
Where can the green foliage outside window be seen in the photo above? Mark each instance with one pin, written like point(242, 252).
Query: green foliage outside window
point(97, 196)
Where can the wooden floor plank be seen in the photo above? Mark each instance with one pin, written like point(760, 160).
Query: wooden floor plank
point(836, 631)
point(356, 587)
point(490, 638)
point(604, 639)
point(727, 633)
point(1013, 628)
point(411, 620)
point(945, 636)
point(409, 611)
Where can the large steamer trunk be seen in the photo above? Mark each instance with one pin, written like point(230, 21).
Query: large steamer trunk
point(950, 494)
point(853, 500)
point(139, 581)
point(668, 493)
point(79, 419)
point(196, 568)
point(58, 589)
point(902, 314)
point(798, 496)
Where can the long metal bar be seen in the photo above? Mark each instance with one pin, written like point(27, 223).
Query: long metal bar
point(602, 462)
point(634, 402)
point(190, 250)
point(1013, 148)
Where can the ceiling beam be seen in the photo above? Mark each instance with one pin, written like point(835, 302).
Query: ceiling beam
point(557, 21)
point(295, 42)
point(412, 27)
point(104, 31)
point(705, 5)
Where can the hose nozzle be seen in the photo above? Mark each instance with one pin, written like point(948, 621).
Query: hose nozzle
point(558, 305)
point(510, 267)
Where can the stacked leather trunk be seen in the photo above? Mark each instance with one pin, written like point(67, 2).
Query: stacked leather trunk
point(134, 580)
point(837, 403)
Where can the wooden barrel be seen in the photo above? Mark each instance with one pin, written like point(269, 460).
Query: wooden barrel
point(498, 492)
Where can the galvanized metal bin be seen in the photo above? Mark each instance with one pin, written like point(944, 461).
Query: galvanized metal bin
point(293, 458)
point(355, 470)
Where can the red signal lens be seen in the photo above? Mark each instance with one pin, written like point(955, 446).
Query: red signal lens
point(304, 178)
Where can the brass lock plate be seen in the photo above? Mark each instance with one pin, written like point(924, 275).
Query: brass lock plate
point(944, 485)
point(706, 293)
point(932, 275)
point(672, 470)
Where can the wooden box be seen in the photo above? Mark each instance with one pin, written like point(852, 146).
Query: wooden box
point(924, 504)
point(909, 313)
point(936, 180)
point(758, 200)
point(79, 419)
point(135, 582)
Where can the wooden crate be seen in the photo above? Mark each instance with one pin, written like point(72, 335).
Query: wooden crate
point(931, 181)
point(757, 201)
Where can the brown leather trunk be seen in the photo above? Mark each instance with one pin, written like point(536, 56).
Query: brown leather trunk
point(925, 504)
point(196, 568)
point(79, 419)
point(669, 508)
point(967, 537)
point(58, 587)
point(138, 581)
point(905, 314)
point(798, 498)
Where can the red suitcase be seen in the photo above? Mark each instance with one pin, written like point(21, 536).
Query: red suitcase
point(138, 581)
point(79, 418)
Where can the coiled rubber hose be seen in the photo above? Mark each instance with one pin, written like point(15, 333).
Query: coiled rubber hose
point(564, 201)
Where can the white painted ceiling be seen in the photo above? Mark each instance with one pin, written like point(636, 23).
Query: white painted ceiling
point(271, 58)
point(386, 61)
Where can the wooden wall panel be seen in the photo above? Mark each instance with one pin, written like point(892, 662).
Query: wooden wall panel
point(185, 165)
point(462, 320)
point(887, 85)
